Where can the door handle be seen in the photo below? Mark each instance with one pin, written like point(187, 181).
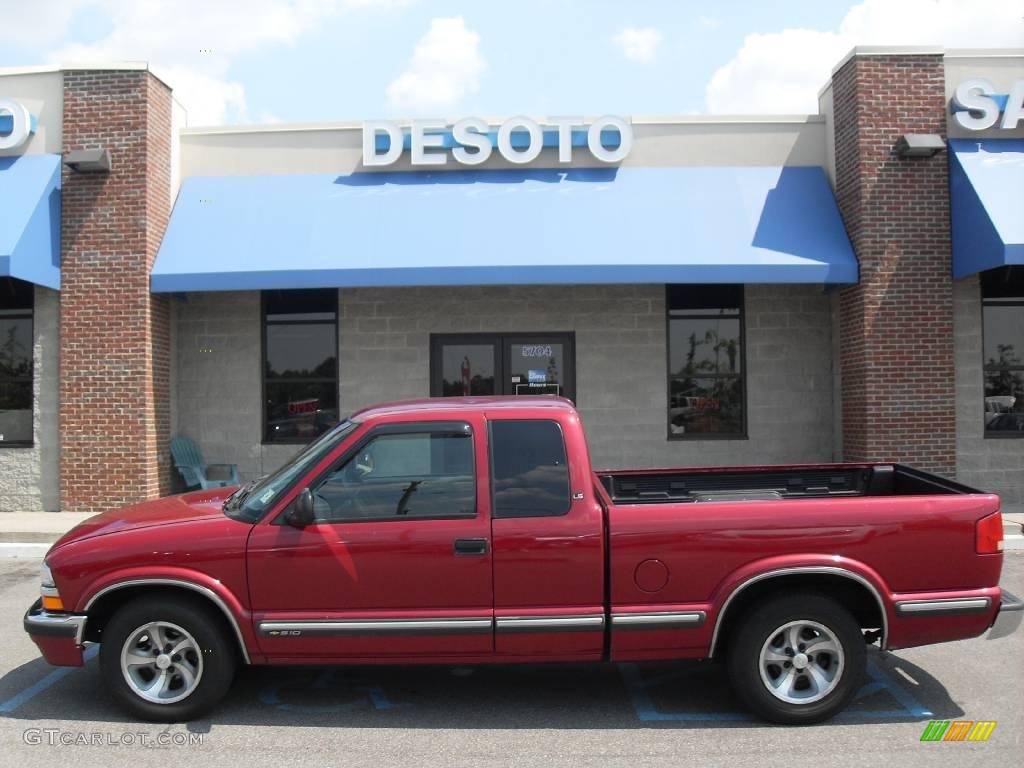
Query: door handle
point(470, 547)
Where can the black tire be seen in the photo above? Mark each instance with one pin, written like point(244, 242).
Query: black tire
point(762, 625)
point(219, 656)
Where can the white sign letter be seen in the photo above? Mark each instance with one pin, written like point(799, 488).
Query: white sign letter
point(471, 132)
point(1014, 111)
point(565, 126)
point(973, 95)
point(505, 140)
point(21, 127)
point(625, 139)
point(422, 141)
point(370, 130)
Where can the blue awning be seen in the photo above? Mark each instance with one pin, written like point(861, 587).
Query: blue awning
point(597, 225)
point(30, 218)
point(987, 203)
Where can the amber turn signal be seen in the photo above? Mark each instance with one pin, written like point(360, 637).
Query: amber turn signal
point(53, 603)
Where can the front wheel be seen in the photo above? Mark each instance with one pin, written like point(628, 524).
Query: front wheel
point(166, 660)
point(798, 659)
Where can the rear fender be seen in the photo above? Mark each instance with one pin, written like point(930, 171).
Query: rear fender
point(792, 565)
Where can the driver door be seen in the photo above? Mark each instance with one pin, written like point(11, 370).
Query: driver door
point(398, 560)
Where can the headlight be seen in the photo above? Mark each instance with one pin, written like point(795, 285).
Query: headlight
point(45, 577)
point(51, 598)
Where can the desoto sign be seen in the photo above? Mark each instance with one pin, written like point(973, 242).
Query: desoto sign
point(16, 124)
point(977, 105)
point(471, 141)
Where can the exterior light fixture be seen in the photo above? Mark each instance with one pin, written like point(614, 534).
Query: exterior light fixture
point(919, 145)
point(88, 160)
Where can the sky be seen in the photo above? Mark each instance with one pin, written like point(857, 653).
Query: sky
point(265, 61)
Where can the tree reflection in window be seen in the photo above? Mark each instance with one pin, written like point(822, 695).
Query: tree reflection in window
point(16, 307)
point(706, 369)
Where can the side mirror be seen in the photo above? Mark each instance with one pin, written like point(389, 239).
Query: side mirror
point(301, 512)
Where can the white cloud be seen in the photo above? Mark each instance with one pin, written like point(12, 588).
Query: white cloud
point(445, 66)
point(781, 72)
point(174, 36)
point(638, 43)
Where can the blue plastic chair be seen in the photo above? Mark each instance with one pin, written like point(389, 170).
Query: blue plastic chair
point(195, 471)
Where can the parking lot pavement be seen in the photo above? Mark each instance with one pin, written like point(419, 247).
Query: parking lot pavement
point(608, 715)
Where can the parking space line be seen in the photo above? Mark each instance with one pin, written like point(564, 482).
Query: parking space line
point(878, 681)
point(648, 712)
point(881, 680)
point(36, 688)
point(325, 679)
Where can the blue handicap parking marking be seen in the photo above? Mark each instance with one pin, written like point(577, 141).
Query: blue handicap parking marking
point(882, 682)
point(642, 689)
point(648, 692)
point(356, 696)
point(51, 679)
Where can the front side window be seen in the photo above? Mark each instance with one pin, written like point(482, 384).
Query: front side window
point(300, 364)
point(16, 302)
point(529, 470)
point(402, 476)
point(1002, 292)
point(706, 367)
point(251, 501)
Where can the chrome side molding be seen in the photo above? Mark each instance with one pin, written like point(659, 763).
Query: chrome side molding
point(346, 627)
point(956, 606)
point(585, 623)
point(659, 620)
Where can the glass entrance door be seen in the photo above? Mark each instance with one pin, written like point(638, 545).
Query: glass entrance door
point(505, 364)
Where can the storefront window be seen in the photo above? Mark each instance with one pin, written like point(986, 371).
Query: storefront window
point(15, 362)
point(1002, 292)
point(706, 370)
point(300, 364)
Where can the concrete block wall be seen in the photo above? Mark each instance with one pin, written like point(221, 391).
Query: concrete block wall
point(217, 381)
point(29, 476)
point(384, 339)
point(993, 464)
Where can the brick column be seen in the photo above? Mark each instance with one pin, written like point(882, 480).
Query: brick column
point(114, 334)
point(896, 325)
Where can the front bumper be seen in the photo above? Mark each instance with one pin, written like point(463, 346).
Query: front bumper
point(1008, 617)
point(58, 635)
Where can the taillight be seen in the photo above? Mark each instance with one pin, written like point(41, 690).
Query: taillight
point(988, 534)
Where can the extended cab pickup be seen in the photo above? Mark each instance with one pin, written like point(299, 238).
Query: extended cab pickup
point(473, 530)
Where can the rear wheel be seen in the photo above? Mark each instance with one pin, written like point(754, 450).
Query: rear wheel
point(798, 659)
point(167, 659)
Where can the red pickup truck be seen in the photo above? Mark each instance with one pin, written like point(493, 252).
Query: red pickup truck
point(473, 530)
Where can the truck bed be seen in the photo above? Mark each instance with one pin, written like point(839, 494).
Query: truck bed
point(704, 484)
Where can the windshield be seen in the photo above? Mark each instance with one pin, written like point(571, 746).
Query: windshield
point(250, 501)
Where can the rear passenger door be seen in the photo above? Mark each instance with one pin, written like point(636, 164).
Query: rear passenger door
point(548, 541)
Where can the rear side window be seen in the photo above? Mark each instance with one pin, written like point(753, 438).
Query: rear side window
point(529, 471)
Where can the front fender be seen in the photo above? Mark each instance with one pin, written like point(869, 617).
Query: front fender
point(238, 617)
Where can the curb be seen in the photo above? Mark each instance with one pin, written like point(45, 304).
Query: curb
point(24, 549)
point(29, 537)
